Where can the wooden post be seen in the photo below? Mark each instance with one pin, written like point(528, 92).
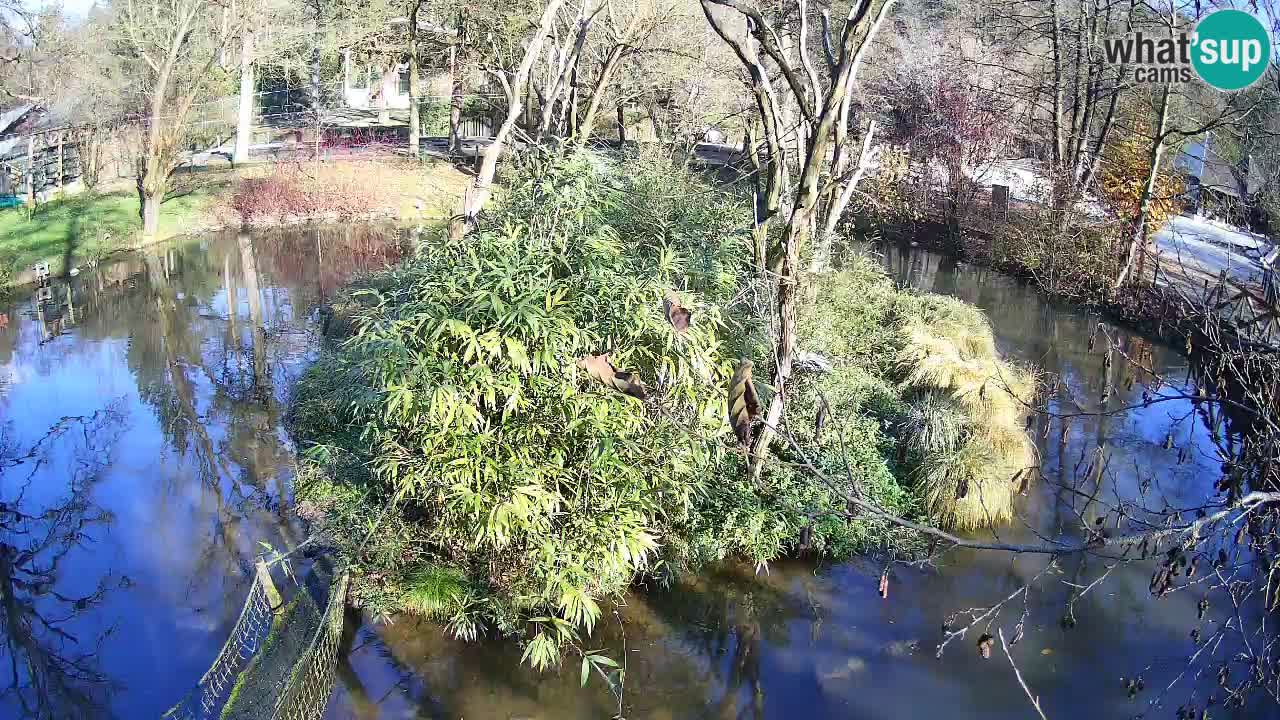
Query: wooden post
point(999, 201)
point(31, 169)
point(269, 586)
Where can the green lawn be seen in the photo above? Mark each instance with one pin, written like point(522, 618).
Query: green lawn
point(83, 227)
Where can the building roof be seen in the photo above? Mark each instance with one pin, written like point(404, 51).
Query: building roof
point(1199, 160)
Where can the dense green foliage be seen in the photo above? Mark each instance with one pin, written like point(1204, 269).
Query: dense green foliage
point(463, 453)
point(541, 485)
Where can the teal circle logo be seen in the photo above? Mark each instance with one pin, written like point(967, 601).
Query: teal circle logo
point(1231, 49)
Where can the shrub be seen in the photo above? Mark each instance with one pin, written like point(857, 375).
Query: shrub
point(949, 410)
point(1123, 178)
point(319, 190)
point(545, 487)
point(477, 456)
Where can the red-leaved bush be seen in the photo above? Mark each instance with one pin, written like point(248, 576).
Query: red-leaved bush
point(320, 191)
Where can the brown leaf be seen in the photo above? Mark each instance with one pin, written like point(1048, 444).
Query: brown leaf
point(984, 644)
point(600, 368)
point(744, 405)
point(678, 315)
point(1024, 478)
point(884, 584)
point(962, 488)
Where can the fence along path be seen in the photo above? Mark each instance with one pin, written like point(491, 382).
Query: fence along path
point(278, 661)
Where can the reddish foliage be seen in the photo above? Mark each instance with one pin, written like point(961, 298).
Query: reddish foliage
point(943, 115)
point(295, 192)
point(364, 140)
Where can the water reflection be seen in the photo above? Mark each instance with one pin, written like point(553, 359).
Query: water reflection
point(55, 674)
point(124, 550)
point(152, 389)
point(819, 642)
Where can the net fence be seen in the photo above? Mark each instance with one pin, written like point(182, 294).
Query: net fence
point(246, 637)
point(307, 693)
point(276, 664)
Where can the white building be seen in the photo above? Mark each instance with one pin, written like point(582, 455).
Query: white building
point(367, 87)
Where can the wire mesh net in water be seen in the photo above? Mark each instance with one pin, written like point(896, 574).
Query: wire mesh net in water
point(274, 666)
point(307, 693)
point(246, 637)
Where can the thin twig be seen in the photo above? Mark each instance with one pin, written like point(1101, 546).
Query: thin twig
point(1035, 701)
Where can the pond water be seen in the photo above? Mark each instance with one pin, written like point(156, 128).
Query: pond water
point(153, 389)
point(163, 378)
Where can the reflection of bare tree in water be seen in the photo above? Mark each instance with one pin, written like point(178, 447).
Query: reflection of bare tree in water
point(731, 613)
point(232, 467)
point(53, 670)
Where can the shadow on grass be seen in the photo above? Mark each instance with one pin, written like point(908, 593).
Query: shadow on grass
point(73, 229)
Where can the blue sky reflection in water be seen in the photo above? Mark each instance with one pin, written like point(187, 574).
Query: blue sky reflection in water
point(185, 463)
point(187, 468)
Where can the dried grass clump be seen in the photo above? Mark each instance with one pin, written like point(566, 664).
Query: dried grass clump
point(959, 412)
point(966, 417)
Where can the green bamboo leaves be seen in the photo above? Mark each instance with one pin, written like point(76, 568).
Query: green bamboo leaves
point(744, 404)
point(600, 368)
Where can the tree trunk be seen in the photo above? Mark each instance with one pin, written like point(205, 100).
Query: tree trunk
point(482, 187)
point(253, 293)
point(767, 199)
point(583, 131)
point(822, 254)
point(455, 102)
point(759, 229)
point(1138, 237)
point(315, 72)
point(244, 119)
point(659, 128)
point(802, 218)
point(566, 72)
point(150, 215)
point(622, 124)
point(415, 122)
point(384, 84)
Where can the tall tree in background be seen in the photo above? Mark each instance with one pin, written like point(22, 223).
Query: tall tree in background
point(822, 100)
point(415, 82)
point(175, 46)
point(514, 85)
point(268, 30)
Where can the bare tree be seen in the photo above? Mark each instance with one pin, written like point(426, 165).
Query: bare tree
point(821, 103)
point(54, 674)
point(176, 45)
point(562, 68)
point(481, 188)
point(624, 40)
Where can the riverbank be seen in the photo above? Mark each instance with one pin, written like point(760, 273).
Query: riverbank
point(71, 231)
point(1175, 302)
